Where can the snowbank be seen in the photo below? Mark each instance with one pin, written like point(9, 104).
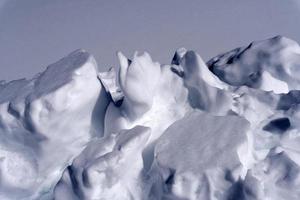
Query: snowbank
point(226, 129)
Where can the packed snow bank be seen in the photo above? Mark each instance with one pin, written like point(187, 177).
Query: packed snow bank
point(271, 65)
point(46, 122)
point(109, 168)
point(226, 129)
point(198, 156)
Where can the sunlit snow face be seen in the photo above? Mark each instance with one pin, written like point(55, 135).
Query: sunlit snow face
point(148, 89)
point(139, 78)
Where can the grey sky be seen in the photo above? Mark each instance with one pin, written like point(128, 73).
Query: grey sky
point(35, 33)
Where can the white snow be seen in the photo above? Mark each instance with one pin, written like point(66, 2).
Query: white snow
point(46, 122)
point(109, 168)
point(195, 150)
point(225, 129)
point(259, 64)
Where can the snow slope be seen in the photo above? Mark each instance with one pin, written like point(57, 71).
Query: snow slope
point(225, 129)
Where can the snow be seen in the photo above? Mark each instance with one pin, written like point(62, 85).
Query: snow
point(225, 129)
point(102, 163)
point(111, 86)
point(46, 122)
point(198, 138)
point(271, 65)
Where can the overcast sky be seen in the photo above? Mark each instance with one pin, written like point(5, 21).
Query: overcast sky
point(36, 33)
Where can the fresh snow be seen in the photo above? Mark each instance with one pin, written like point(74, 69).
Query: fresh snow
point(225, 129)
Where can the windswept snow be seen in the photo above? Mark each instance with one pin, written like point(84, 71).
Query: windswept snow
point(46, 122)
point(114, 163)
point(207, 164)
point(225, 129)
point(271, 65)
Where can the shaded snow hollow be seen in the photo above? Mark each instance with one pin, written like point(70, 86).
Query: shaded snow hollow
point(221, 130)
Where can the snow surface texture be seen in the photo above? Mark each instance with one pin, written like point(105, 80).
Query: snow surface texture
point(221, 130)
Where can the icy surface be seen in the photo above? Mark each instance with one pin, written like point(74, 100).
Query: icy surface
point(221, 130)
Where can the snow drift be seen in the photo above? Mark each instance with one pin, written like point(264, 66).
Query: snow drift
point(225, 129)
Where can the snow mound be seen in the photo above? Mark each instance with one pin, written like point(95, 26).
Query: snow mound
point(46, 122)
point(225, 129)
point(198, 158)
point(271, 65)
point(98, 172)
